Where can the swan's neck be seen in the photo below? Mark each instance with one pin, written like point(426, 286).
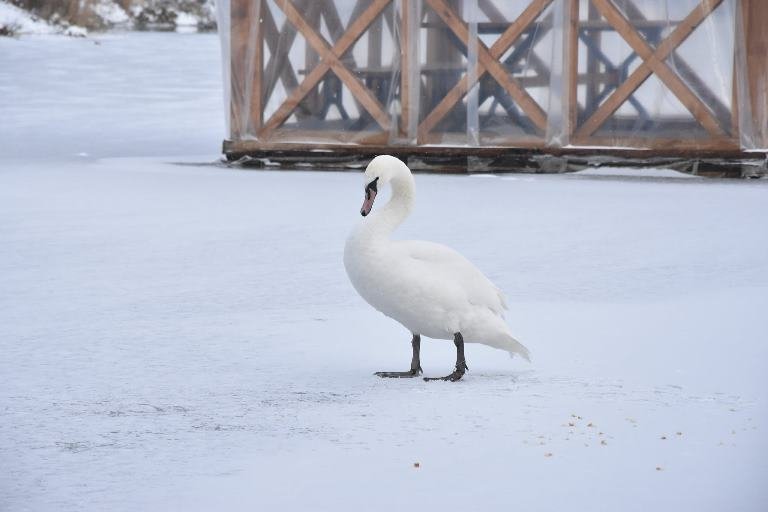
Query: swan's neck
point(381, 223)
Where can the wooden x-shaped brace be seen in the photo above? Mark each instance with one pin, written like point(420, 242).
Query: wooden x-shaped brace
point(653, 62)
point(488, 61)
point(330, 60)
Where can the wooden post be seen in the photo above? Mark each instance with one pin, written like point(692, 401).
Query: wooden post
point(256, 57)
point(239, 11)
point(755, 15)
point(406, 43)
point(311, 58)
point(374, 44)
point(593, 64)
point(440, 51)
point(571, 39)
point(653, 62)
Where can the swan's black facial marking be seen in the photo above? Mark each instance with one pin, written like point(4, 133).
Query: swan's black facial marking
point(371, 190)
point(371, 186)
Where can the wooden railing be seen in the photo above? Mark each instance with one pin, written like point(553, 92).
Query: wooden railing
point(463, 89)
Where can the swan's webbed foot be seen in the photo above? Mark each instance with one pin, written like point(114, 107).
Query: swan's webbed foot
point(457, 374)
point(414, 372)
point(461, 363)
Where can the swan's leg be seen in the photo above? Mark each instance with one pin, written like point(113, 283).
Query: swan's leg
point(461, 363)
point(415, 362)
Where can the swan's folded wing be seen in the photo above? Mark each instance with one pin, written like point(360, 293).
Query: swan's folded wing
point(449, 265)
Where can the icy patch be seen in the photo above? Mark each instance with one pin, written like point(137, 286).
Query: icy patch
point(635, 172)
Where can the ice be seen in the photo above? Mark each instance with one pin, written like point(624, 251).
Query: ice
point(182, 336)
point(119, 94)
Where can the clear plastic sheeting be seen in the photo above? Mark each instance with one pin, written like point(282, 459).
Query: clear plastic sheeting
point(496, 73)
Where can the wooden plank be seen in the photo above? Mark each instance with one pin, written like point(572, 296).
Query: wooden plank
point(362, 93)
point(406, 43)
point(336, 29)
point(324, 137)
point(279, 44)
point(756, 21)
point(311, 57)
point(719, 144)
point(657, 64)
point(687, 73)
point(257, 58)
point(330, 59)
point(525, 81)
point(374, 42)
point(293, 99)
point(491, 11)
point(571, 38)
point(593, 64)
point(239, 31)
point(502, 44)
point(373, 143)
point(654, 62)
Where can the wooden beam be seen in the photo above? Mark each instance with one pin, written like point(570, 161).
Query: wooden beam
point(336, 29)
point(279, 44)
point(571, 39)
point(406, 66)
point(488, 61)
point(256, 56)
point(330, 61)
point(593, 64)
point(377, 143)
point(653, 61)
point(491, 11)
point(687, 73)
point(756, 23)
point(239, 16)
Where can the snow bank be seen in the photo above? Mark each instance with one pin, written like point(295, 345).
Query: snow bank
point(14, 21)
point(110, 12)
point(184, 15)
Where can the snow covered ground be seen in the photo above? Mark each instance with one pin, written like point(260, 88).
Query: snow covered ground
point(178, 336)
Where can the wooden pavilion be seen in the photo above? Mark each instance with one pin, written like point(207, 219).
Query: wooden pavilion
point(541, 85)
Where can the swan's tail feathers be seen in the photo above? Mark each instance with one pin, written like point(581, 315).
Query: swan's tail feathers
point(513, 346)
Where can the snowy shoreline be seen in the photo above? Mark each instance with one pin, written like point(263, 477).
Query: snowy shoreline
point(103, 16)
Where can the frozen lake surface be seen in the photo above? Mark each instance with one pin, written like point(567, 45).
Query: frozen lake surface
point(184, 337)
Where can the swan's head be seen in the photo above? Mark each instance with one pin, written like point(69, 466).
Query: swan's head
point(379, 172)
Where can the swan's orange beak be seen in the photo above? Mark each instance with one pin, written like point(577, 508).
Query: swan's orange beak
point(370, 195)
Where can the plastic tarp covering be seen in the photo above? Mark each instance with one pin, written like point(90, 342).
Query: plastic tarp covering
point(522, 73)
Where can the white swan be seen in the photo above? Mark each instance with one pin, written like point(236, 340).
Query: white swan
point(430, 289)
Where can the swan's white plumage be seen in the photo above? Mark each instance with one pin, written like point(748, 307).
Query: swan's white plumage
point(430, 289)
